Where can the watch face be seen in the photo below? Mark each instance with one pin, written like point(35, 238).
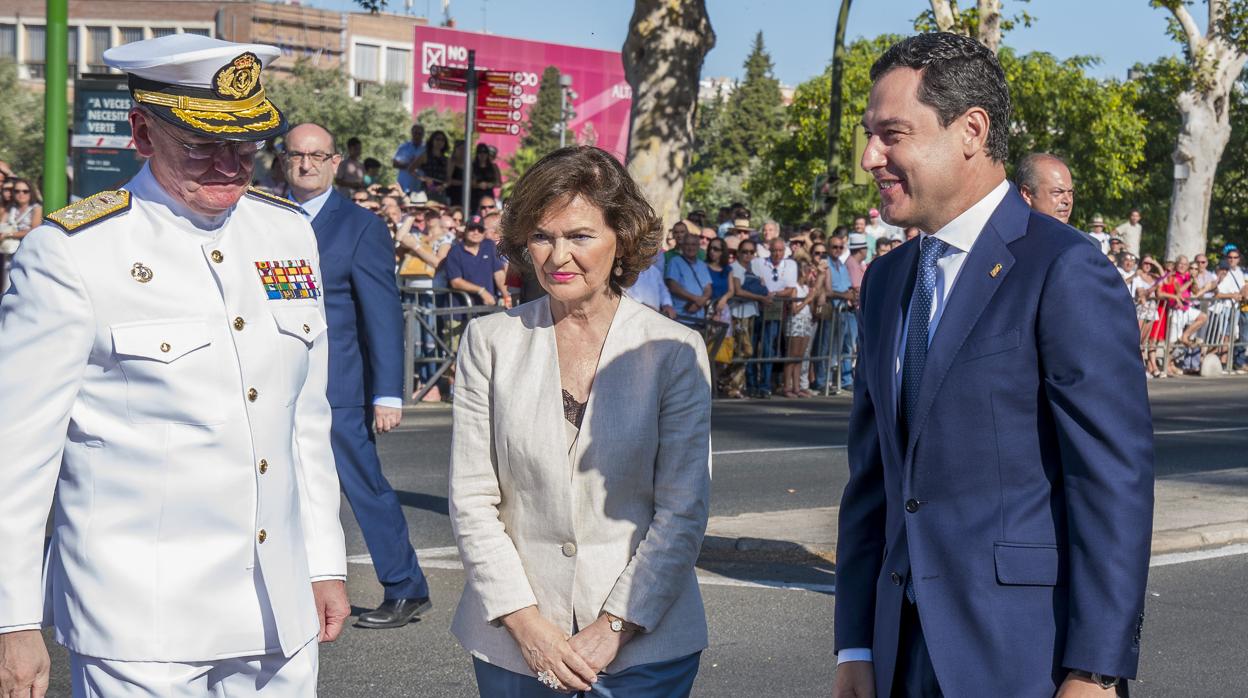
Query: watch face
point(617, 625)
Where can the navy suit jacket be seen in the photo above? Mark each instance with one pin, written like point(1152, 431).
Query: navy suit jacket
point(362, 305)
point(1022, 499)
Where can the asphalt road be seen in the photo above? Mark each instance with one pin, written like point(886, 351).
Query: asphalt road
point(767, 639)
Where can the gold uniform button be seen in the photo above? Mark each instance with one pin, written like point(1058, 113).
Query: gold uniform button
point(306, 329)
point(164, 347)
point(217, 256)
point(252, 394)
point(262, 536)
point(239, 323)
point(264, 466)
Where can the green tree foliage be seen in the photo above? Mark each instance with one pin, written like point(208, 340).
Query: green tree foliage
point(1091, 124)
point(749, 119)
point(1094, 125)
point(541, 128)
point(21, 124)
point(784, 181)
point(319, 95)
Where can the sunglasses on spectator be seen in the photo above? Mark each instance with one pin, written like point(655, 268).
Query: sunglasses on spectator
point(1232, 256)
point(745, 250)
point(710, 237)
point(21, 191)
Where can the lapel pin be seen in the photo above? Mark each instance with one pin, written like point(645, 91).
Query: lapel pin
point(141, 273)
point(995, 270)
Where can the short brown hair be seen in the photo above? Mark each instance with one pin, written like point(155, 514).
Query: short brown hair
point(601, 180)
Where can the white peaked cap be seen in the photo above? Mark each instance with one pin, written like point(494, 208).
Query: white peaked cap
point(189, 60)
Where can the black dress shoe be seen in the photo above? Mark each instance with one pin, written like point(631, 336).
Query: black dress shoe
point(394, 613)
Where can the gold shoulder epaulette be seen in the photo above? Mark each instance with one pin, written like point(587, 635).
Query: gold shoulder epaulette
point(262, 195)
point(93, 209)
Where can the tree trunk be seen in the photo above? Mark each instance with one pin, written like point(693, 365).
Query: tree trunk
point(667, 41)
point(835, 102)
point(1205, 132)
point(946, 14)
point(990, 24)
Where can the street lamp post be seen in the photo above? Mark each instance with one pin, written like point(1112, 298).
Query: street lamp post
point(566, 113)
point(55, 104)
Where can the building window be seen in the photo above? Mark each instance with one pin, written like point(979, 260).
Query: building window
point(98, 41)
point(367, 60)
point(8, 41)
point(36, 50)
point(198, 32)
point(130, 35)
point(158, 32)
point(71, 41)
point(397, 65)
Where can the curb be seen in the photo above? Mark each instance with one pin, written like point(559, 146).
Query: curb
point(759, 550)
point(1200, 537)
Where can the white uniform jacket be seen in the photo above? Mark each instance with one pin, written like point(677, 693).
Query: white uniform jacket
point(178, 414)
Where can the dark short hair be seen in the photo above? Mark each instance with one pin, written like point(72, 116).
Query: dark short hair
point(352, 142)
point(370, 163)
point(958, 73)
point(1027, 174)
point(591, 173)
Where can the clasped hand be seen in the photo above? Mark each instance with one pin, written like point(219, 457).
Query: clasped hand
point(576, 661)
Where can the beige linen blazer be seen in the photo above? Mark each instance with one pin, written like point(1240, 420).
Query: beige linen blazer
point(616, 526)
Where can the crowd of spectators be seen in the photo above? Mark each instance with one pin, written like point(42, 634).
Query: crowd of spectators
point(21, 210)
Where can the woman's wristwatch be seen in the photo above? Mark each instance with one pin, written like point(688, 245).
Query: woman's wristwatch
point(619, 625)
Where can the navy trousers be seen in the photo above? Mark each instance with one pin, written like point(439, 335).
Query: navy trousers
point(375, 504)
point(669, 679)
point(914, 677)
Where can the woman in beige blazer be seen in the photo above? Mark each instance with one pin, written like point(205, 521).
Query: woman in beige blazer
point(580, 466)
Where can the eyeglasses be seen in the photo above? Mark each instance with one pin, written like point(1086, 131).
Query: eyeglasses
point(1202, 261)
point(837, 247)
point(210, 149)
point(745, 250)
point(710, 237)
point(21, 191)
point(315, 158)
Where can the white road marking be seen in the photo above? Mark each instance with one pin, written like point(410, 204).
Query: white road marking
point(1196, 555)
point(1211, 430)
point(781, 449)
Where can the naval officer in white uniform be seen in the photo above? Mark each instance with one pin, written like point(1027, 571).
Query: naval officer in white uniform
point(162, 389)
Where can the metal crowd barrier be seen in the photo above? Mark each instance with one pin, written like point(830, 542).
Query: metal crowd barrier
point(439, 314)
point(1221, 334)
point(827, 351)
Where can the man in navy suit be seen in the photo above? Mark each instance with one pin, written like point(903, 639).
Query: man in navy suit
point(365, 364)
point(994, 533)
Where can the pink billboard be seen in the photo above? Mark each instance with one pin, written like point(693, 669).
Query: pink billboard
point(603, 96)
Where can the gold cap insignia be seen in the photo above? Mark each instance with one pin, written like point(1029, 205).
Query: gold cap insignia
point(238, 78)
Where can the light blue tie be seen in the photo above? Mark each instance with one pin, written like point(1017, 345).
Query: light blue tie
point(915, 358)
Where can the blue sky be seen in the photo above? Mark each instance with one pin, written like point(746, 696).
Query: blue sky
point(798, 33)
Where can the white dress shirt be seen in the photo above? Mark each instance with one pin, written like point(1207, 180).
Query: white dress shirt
point(650, 288)
point(960, 234)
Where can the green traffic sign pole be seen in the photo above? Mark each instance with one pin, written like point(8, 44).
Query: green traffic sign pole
point(55, 104)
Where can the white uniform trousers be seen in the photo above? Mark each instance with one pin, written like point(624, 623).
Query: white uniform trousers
point(268, 675)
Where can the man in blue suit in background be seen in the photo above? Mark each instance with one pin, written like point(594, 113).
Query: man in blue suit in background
point(365, 364)
point(994, 532)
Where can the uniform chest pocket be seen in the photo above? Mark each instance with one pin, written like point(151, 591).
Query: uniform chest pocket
point(174, 373)
point(297, 330)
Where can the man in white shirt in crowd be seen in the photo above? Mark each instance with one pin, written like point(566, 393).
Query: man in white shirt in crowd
point(651, 290)
point(1131, 231)
point(779, 275)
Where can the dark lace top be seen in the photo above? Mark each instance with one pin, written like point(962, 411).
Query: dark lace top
point(573, 411)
